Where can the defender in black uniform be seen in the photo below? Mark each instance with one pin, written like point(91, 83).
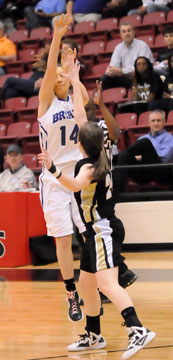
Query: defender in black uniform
point(92, 186)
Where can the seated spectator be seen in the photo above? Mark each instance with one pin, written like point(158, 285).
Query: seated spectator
point(8, 51)
point(156, 147)
point(71, 43)
point(161, 64)
point(18, 176)
point(120, 71)
point(147, 84)
point(43, 12)
point(1, 159)
point(120, 8)
point(88, 10)
point(149, 6)
point(166, 103)
point(14, 87)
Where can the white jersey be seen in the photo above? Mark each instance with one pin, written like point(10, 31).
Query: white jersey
point(59, 134)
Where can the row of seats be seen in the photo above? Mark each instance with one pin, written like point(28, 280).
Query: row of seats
point(92, 52)
point(142, 24)
point(93, 38)
point(37, 37)
point(19, 109)
point(24, 132)
point(135, 125)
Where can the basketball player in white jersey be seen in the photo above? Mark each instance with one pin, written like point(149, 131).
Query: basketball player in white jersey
point(58, 135)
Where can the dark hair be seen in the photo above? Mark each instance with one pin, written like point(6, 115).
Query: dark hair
point(168, 30)
point(90, 109)
point(41, 60)
point(169, 63)
point(150, 68)
point(73, 44)
point(91, 138)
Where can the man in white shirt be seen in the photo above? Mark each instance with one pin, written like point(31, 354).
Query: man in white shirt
point(121, 68)
point(149, 6)
point(17, 176)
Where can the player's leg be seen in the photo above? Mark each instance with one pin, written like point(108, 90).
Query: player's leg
point(139, 336)
point(57, 211)
point(92, 338)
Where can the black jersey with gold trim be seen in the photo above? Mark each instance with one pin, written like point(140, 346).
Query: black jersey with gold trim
point(95, 202)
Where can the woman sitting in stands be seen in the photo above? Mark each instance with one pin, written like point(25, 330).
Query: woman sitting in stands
point(166, 103)
point(147, 84)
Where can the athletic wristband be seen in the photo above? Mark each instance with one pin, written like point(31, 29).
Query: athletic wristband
point(55, 171)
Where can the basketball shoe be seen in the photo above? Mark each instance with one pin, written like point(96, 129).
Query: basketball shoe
point(88, 341)
point(74, 310)
point(139, 337)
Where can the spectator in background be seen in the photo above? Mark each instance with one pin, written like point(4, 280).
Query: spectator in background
point(120, 71)
point(166, 103)
point(120, 8)
point(43, 12)
point(8, 50)
point(1, 159)
point(72, 44)
point(161, 65)
point(18, 176)
point(155, 147)
point(88, 10)
point(14, 87)
point(147, 84)
point(149, 6)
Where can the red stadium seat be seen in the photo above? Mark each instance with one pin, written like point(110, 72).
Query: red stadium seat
point(15, 103)
point(150, 22)
point(159, 42)
point(38, 37)
point(96, 72)
point(30, 160)
point(113, 96)
point(143, 119)
point(19, 36)
point(84, 27)
point(103, 28)
point(30, 143)
point(30, 112)
point(91, 50)
point(28, 57)
point(21, 24)
point(149, 39)
point(3, 128)
point(15, 131)
point(6, 116)
point(126, 120)
point(33, 102)
point(19, 129)
point(170, 117)
point(110, 46)
point(134, 20)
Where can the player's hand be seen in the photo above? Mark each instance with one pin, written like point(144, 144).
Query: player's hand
point(67, 58)
point(98, 99)
point(61, 24)
point(45, 159)
point(73, 71)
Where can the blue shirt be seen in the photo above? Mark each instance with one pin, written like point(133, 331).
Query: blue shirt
point(163, 144)
point(88, 6)
point(51, 6)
